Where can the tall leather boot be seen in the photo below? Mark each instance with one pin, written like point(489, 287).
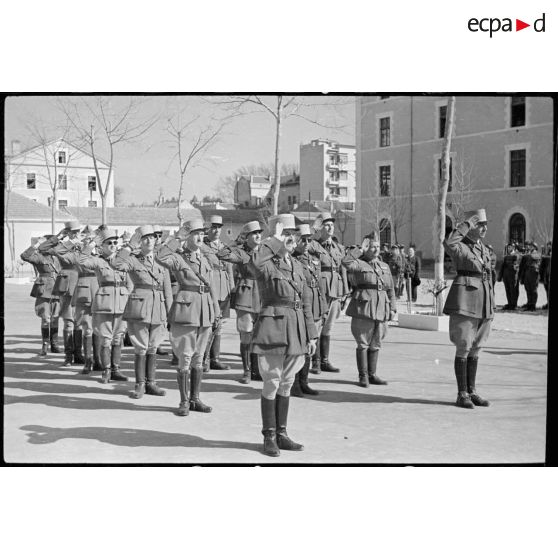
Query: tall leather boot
point(88, 355)
point(139, 370)
point(68, 347)
point(105, 360)
point(54, 348)
point(205, 360)
point(477, 400)
point(214, 355)
point(151, 387)
point(78, 342)
point(245, 356)
point(115, 356)
point(45, 333)
point(372, 365)
point(97, 342)
point(255, 368)
point(325, 365)
point(184, 407)
point(362, 367)
point(195, 386)
point(127, 341)
point(281, 413)
point(296, 390)
point(269, 428)
point(316, 358)
point(463, 397)
point(303, 378)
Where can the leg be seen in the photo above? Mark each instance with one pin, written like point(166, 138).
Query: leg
point(271, 374)
point(290, 365)
point(303, 378)
point(156, 336)
point(333, 315)
point(316, 357)
point(379, 331)
point(482, 333)
point(182, 338)
point(462, 332)
point(54, 317)
point(80, 323)
point(139, 337)
point(201, 336)
point(118, 330)
point(362, 332)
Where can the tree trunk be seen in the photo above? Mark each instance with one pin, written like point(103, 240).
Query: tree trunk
point(441, 208)
point(104, 220)
point(277, 182)
point(53, 213)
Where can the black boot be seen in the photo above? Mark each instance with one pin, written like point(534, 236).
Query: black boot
point(184, 407)
point(205, 360)
point(215, 353)
point(315, 369)
point(471, 378)
point(88, 355)
point(78, 341)
point(45, 333)
point(127, 341)
point(255, 368)
point(195, 386)
point(296, 390)
point(269, 422)
point(68, 347)
point(281, 413)
point(362, 367)
point(139, 370)
point(151, 387)
point(245, 356)
point(303, 378)
point(97, 365)
point(54, 348)
point(463, 397)
point(372, 364)
point(105, 360)
point(115, 356)
point(325, 365)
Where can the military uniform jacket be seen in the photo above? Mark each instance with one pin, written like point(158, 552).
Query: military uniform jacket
point(509, 271)
point(151, 298)
point(333, 274)
point(412, 267)
point(195, 302)
point(247, 295)
point(114, 286)
point(47, 268)
point(311, 268)
point(222, 277)
point(395, 263)
point(66, 282)
point(373, 294)
point(285, 324)
point(472, 292)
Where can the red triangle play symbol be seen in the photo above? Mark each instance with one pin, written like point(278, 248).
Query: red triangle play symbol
point(519, 25)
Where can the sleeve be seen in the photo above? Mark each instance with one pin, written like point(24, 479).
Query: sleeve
point(123, 261)
point(351, 260)
point(32, 256)
point(453, 241)
point(47, 245)
point(388, 280)
point(230, 274)
point(65, 255)
point(315, 248)
point(89, 262)
point(268, 250)
point(312, 332)
point(417, 267)
point(167, 290)
point(233, 255)
point(171, 261)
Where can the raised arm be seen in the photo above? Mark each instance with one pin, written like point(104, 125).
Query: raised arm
point(233, 255)
point(169, 259)
point(352, 261)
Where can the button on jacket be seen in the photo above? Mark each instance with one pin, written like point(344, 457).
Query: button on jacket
point(311, 267)
point(373, 295)
point(222, 276)
point(472, 292)
point(334, 276)
point(47, 267)
point(285, 323)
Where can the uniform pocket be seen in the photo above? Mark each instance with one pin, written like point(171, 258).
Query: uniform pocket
point(182, 308)
point(62, 284)
point(104, 300)
point(136, 308)
point(38, 289)
point(271, 330)
point(83, 294)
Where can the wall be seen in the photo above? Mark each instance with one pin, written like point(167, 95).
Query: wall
point(312, 172)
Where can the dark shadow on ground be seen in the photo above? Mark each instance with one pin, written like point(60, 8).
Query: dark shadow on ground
point(131, 437)
point(516, 352)
point(118, 388)
point(366, 397)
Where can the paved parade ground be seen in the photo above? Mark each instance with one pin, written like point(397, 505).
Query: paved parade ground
point(56, 415)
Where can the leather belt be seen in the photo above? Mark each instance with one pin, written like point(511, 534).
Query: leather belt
point(148, 287)
point(332, 268)
point(374, 286)
point(294, 304)
point(484, 275)
point(111, 284)
point(86, 275)
point(195, 289)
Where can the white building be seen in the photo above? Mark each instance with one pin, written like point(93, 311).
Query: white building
point(34, 172)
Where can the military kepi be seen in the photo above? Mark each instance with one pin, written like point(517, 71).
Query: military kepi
point(480, 212)
point(146, 230)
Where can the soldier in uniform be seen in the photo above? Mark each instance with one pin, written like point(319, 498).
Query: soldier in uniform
point(493, 262)
point(412, 272)
point(47, 306)
point(158, 230)
point(334, 284)
point(246, 294)
point(147, 307)
point(470, 303)
point(396, 266)
point(403, 260)
point(372, 304)
point(529, 276)
point(311, 268)
point(109, 301)
point(223, 285)
point(285, 331)
point(546, 263)
point(509, 273)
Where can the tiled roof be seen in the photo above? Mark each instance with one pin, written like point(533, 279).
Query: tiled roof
point(232, 215)
point(21, 208)
point(129, 216)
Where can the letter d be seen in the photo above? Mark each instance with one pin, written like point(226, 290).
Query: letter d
point(535, 25)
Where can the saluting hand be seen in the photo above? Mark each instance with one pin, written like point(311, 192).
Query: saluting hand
point(365, 244)
point(135, 240)
point(318, 223)
point(278, 233)
point(473, 221)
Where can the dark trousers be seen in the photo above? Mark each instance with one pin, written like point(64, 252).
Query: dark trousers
point(512, 291)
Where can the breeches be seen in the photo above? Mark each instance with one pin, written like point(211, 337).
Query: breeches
point(47, 310)
point(468, 334)
point(512, 292)
point(368, 333)
point(278, 373)
point(332, 316)
point(188, 344)
point(245, 325)
point(84, 319)
point(146, 337)
point(66, 309)
point(110, 328)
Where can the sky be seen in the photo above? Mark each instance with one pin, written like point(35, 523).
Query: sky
point(145, 166)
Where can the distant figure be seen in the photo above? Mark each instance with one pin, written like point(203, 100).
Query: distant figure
point(529, 276)
point(509, 273)
point(493, 261)
point(412, 272)
point(395, 266)
point(545, 271)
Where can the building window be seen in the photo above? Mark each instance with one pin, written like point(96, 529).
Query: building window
point(334, 176)
point(517, 111)
point(62, 157)
point(384, 176)
point(31, 181)
point(517, 228)
point(442, 114)
point(343, 158)
point(385, 131)
point(518, 159)
point(91, 203)
point(333, 160)
point(294, 200)
point(289, 200)
point(92, 183)
point(385, 232)
point(62, 203)
point(450, 173)
point(62, 182)
point(343, 175)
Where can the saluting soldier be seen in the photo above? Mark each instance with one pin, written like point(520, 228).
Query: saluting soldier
point(470, 303)
point(311, 269)
point(509, 273)
point(194, 311)
point(109, 301)
point(158, 230)
point(147, 307)
point(372, 304)
point(529, 276)
point(334, 284)
point(47, 305)
point(246, 293)
point(396, 266)
point(412, 272)
point(285, 331)
point(223, 285)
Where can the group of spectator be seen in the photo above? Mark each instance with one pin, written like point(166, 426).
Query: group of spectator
point(403, 267)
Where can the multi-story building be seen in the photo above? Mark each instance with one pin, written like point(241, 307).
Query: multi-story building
point(327, 171)
point(501, 159)
point(255, 191)
point(62, 166)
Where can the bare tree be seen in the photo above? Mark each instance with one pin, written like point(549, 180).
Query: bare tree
point(543, 227)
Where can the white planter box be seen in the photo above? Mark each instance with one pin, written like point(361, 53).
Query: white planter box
point(424, 321)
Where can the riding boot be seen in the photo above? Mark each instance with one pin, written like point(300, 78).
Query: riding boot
point(303, 378)
point(151, 387)
point(245, 356)
point(88, 355)
point(184, 407)
point(127, 341)
point(139, 370)
point(325, 365)
point(281, 413)
point(78, 341)
point(214, 355)
point(115, 356)
point(463, 397)
point(97, 366)
point(205, 360)
point(315, 369)
point(195, 386)
point(296, 390)
point(54, 348)
point(105, 360)
point(68, 347)
point(255, 367)
point(372, 365)
point(477, 400)
point(269, 423)
point(362, 367)
point(45, 339)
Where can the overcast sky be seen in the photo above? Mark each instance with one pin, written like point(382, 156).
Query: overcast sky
point(142, 168)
